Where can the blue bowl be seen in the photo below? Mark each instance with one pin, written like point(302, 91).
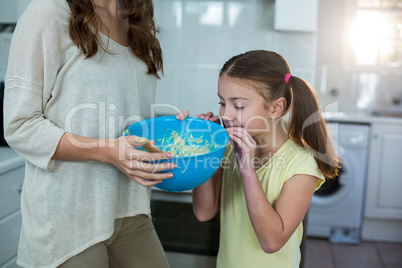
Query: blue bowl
point(191, 171)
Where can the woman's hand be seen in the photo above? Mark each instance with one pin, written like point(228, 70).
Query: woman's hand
point(244, 146)
point(208, 116)
point(135, 163)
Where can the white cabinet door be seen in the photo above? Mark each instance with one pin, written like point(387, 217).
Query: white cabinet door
point(10, 188)
point(384, 198)
point(11, 10)
point(11, 264)
point(9, 236)
point(296, 15)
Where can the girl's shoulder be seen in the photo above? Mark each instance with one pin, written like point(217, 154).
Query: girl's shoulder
point(293, 150)
point(295, 156)
point(300, 160)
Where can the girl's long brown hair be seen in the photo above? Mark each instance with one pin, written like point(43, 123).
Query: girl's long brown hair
point(83, 31)
point(266, 70)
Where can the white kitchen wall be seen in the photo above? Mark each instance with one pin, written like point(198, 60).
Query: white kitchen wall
point(198, 36)
point(355, 89)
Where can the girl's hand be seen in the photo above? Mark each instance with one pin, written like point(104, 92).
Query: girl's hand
point(182, 115)
point(208, 116)
point(244, 146)
point(135, 163)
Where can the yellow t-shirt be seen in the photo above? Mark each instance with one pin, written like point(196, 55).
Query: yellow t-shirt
point(239, 245)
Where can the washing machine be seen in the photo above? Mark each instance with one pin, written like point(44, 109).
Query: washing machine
point(336, 209)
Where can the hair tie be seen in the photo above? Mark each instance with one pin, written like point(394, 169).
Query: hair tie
point(287, 77)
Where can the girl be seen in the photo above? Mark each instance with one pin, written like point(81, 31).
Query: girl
point(77, 69)
point(272, 170)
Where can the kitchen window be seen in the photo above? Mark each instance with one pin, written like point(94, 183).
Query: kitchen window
point(377, 33)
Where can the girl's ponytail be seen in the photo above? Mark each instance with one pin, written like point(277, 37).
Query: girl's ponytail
point(307, 128)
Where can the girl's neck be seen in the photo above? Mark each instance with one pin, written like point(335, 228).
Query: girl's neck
point(269, 144)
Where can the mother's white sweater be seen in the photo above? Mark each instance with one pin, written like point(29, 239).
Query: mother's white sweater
point(51, 89)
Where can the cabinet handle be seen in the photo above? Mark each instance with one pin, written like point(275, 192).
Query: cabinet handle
point(20, 188)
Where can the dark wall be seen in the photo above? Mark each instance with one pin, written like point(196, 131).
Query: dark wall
point(2, 141)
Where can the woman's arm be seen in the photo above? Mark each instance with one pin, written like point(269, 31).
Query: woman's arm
point(120, 152)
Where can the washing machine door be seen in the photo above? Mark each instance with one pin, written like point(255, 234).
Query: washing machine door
point(335, 191)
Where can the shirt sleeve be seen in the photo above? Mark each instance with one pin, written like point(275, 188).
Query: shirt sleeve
point(305, 164)
point(34, 60)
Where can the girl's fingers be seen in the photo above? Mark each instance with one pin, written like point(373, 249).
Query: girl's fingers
point(215, 119)
point(208, 116)
point(243, 135)
point(236, 140)
point(182, 115)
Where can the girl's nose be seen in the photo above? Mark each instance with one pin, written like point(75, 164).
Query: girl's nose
point(226, 113)
point(227, 117)
point(229, 121)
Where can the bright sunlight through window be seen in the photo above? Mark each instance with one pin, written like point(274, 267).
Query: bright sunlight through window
point(377, 34)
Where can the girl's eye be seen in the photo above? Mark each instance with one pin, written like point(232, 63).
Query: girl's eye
point(239, 108)
point(221, 103)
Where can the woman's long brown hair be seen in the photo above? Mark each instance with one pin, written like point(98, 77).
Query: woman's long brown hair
point(83, 30)
point(266, 70)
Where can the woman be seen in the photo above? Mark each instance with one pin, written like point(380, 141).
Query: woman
point(80, 72)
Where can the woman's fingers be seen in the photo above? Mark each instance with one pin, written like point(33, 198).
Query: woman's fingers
point(144, 143)
point(150, 167)
point(139, 155)
point(145, 182)
point(150, 172)
point(128, 149)
point(151, 176)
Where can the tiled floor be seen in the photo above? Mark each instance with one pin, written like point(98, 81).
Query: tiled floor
point(322, 254)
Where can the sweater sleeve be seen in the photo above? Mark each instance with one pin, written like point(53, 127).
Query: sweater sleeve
point(35, 58)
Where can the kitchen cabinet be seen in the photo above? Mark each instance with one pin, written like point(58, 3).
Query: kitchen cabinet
point(296, 15)
point(384, 199)
point(11, 10)
point(12, 168)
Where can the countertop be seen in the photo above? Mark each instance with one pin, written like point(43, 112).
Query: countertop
point(361, 118)
point(9, 159)
point(2, 75)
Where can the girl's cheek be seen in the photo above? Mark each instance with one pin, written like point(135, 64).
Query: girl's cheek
point(221, 111)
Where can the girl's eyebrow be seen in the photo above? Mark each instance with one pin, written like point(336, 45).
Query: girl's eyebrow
point(234, 98)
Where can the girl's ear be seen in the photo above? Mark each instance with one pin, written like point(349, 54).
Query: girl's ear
point(278, 107)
